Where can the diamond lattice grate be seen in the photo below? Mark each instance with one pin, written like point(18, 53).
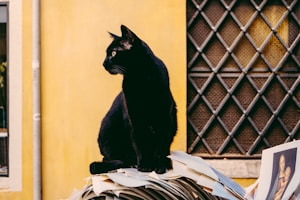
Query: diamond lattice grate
point(243, 76)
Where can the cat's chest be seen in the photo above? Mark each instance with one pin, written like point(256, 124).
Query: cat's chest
point(143, 93)
point(141, 85)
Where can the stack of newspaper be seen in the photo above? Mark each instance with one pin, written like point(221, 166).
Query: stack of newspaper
point(193, 178)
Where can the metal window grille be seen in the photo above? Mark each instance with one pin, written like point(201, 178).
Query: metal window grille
point(243, 76)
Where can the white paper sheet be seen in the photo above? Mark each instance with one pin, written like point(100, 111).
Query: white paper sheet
point(220, 191)
point(101, 185)
point(195, 163)
point(270, 166)
point(127, 181)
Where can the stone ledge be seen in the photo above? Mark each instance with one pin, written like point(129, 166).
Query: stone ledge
point(237, 168)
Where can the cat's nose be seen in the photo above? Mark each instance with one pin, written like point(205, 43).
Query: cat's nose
point(105, 62)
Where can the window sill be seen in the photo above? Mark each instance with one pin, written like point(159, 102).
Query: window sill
point(3, 133)
point(237, 168)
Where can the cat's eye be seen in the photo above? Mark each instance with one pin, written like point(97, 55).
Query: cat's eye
point(113, 53)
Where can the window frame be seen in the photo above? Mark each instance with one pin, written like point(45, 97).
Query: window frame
point(14, 61)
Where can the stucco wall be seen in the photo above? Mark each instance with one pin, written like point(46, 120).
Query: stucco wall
point(77, 91)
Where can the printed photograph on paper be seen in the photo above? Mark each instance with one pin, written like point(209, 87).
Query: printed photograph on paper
point(280, 172)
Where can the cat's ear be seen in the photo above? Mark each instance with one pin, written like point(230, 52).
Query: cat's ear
point(113, 36)
point(128, 34)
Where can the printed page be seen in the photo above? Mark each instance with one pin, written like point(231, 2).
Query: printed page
point(280, 171)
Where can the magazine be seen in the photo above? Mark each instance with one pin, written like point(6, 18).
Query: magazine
point(280, 172)
point(193, 178)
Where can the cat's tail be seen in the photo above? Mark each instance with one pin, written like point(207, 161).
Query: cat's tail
point(105, 166)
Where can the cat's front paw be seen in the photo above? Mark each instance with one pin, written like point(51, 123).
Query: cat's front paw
point(163, 165)
point(158, 170)
point(161, 170)
point(144, 168)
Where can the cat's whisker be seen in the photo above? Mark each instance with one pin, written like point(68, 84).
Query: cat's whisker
point(123, 69)
point(119, 69)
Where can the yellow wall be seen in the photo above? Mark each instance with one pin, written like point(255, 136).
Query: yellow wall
point(77, 91)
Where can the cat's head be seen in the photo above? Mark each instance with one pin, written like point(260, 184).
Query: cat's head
point(120, 53)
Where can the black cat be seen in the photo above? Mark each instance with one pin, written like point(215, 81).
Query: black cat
point(139, 128)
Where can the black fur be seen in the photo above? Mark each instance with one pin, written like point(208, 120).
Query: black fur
point(139, 128)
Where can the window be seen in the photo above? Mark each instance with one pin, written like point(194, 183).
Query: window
point(243, 76)
point(10, 95)
point(3, 99)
